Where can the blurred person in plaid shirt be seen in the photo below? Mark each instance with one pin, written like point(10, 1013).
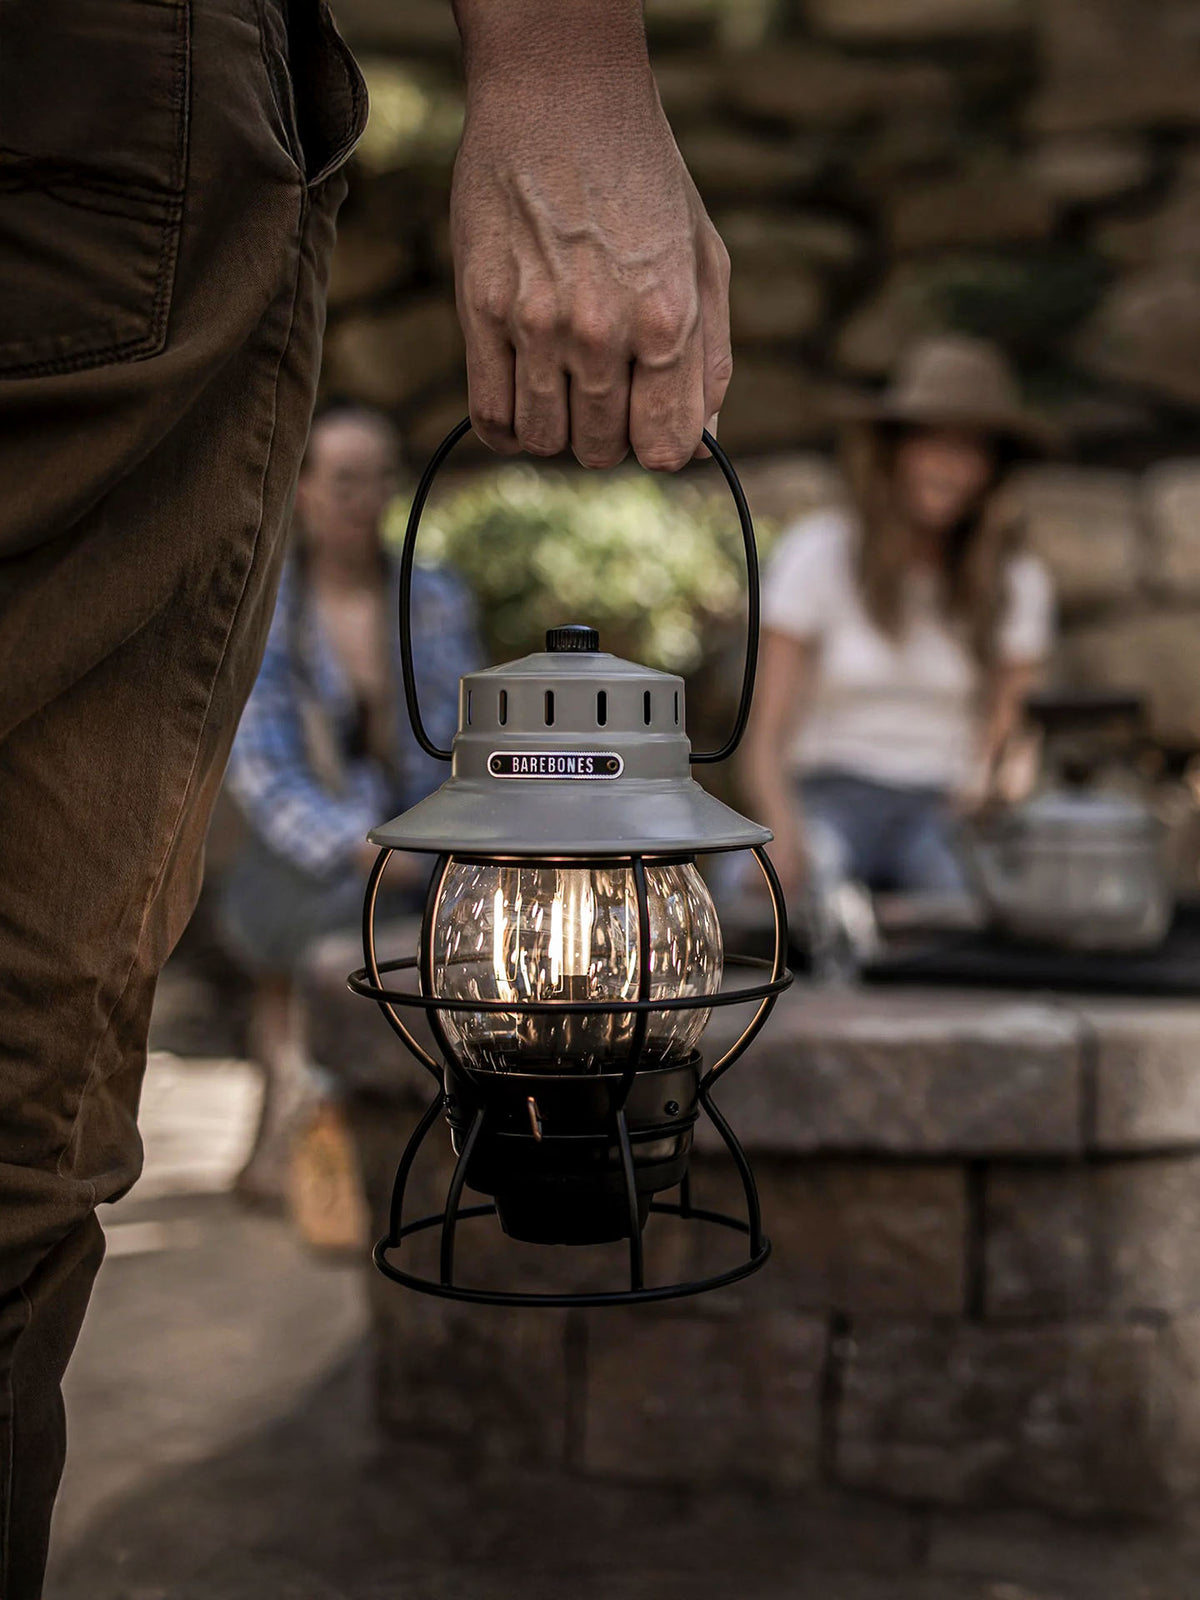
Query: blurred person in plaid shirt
point(324, 750)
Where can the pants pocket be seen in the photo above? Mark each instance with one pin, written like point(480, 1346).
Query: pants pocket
point(93, 156)
point(329, 95)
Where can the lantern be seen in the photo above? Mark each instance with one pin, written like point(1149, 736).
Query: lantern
point(570, 953)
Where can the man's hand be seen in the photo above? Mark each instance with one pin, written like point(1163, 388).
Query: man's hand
point(591, 285)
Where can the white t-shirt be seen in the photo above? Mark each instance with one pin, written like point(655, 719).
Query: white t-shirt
point(900, 711)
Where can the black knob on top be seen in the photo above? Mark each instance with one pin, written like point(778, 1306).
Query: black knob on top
point(573, 636)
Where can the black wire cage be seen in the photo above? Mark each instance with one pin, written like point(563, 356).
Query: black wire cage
point(571, 1096)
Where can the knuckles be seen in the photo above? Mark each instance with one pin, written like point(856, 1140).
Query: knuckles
point(536, 319)
point(596, 331)
point(540, 444)
point(720, 259)
point(491, 425)
point(485, 296)
point(665, 322)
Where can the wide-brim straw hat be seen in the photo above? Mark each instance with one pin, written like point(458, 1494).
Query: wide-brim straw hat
point(955, 381)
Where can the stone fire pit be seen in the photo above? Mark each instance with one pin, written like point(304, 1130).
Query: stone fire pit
point(985, 1289)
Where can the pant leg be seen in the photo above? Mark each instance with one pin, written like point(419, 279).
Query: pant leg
point(142, 504)
point(843, 817)
point(925, 858)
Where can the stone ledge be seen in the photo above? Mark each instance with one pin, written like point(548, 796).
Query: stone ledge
point(1147, 1072)
point(913, 1073)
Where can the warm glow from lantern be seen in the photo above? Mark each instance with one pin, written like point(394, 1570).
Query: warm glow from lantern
point(504, 932)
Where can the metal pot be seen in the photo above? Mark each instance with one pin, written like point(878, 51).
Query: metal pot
point(1076, 868)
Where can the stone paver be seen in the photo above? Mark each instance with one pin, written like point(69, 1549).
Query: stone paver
point(205, 1325)
point(1106, 1238)
point(197, 1119)
point(1067, 1417)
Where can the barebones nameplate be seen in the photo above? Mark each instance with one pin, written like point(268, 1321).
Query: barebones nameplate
point(555, 764)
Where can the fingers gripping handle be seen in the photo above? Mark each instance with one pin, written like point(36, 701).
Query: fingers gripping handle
point(406, 571)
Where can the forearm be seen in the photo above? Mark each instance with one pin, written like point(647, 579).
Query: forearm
point(312, 830)
point(785, 681)
point(1010, 687)
point(766, 783)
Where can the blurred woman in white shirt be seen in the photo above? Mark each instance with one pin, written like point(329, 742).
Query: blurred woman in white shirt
point(901, 634)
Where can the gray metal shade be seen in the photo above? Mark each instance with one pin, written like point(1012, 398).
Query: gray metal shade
point(570, 752)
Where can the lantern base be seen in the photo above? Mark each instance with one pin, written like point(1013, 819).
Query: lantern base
point(548, 1149)
point(544, 1214)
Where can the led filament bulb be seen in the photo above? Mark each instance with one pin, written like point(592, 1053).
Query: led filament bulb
point(557, 933)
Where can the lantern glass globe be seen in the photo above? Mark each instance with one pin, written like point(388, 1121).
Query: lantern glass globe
point(548, 933)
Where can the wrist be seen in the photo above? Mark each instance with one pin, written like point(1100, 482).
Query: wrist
point(573, 47)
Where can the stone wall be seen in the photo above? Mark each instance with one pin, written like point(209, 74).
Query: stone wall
point(1125, 552)
point(983, 1292)
point(1024, 168)
point(1029, 169)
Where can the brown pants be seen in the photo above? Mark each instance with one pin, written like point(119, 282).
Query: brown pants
point(168, 188)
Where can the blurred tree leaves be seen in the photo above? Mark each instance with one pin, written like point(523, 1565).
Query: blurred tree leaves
point(654, 566)
point(413, 117)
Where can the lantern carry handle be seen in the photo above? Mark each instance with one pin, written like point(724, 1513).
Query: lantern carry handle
point(406, 571)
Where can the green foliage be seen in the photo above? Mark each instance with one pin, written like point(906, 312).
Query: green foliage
point(652, 565)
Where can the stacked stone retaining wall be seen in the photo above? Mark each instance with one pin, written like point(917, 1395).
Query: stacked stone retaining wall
point(984, 1291)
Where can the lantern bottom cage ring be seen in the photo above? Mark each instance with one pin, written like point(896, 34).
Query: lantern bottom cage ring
point(583, 1298)
point(605, 1199)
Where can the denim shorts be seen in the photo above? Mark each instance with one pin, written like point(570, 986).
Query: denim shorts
point(270, 912)
point(879, 834)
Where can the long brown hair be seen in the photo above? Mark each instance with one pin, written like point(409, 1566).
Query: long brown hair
point(976, 552)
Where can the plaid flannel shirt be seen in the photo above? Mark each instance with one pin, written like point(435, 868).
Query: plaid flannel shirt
point(271, 772)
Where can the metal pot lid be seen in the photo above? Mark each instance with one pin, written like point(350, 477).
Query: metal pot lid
point(570, 751)
point(1084, 811)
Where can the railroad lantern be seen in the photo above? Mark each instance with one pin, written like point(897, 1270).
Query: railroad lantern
point(570, 953)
